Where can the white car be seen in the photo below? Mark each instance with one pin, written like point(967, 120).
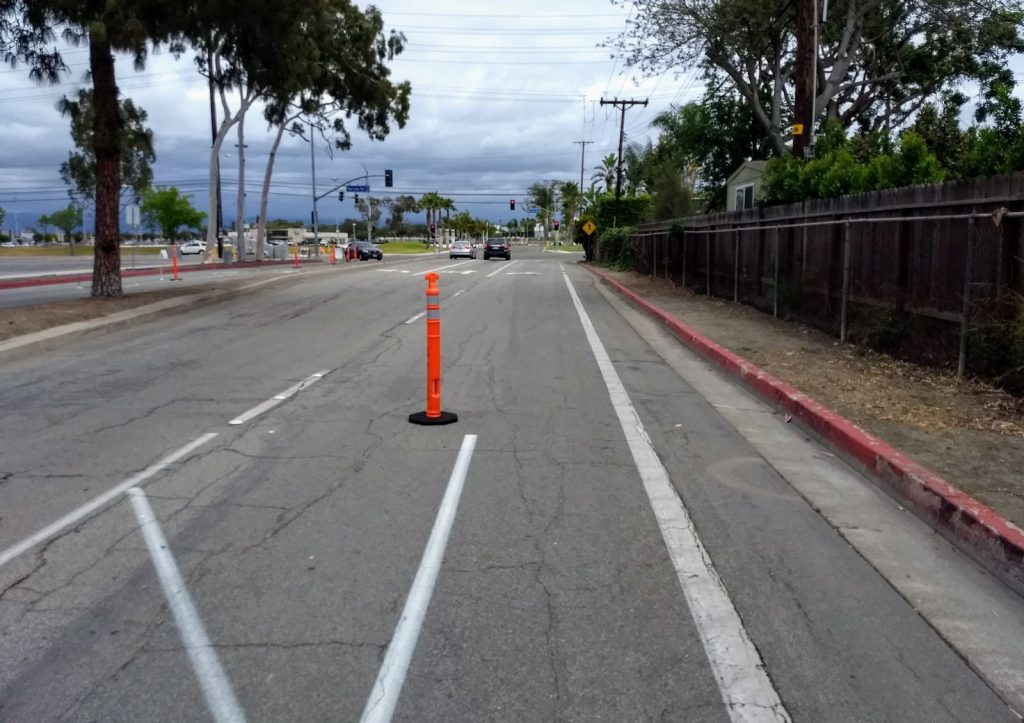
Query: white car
point(192, 247)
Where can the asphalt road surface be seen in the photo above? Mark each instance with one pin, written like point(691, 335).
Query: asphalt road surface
point(227, 515)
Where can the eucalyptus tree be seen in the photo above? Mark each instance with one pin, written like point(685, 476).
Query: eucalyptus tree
point(880, 60)
point(397, 208)
point(249, 57)
point(348, 78)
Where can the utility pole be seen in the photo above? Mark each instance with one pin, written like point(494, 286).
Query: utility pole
point(583, 154)
point(312, 164)
point(805, 77)
point(622, 105)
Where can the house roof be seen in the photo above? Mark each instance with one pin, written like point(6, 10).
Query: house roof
point(752, 165)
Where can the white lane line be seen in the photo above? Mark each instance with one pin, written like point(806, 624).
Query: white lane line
point(278, 398)
point(457, 293)
point(96, 503)
point(746, 690)
point(380, 706)
point(503, 268)
point(220, 699)
point(417, 317)
point(449, 266)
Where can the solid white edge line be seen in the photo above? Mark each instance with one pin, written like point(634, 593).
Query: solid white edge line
point(220, 699)
point(278, 398)
point(97, 502)
point(502, 268)
point(746, 690)
point(383, 699)
point(417, 317)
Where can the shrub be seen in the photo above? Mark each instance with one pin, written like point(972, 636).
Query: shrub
point(616, 249)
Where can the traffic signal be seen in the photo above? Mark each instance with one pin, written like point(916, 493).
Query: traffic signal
point(357, 199)
point(512, 205)
point(431, 228)
point(389, 178)
point(556, 224)
point(341, 195)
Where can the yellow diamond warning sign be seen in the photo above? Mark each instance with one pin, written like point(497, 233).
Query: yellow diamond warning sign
point(589, 228)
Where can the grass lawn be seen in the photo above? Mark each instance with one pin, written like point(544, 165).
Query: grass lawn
point(27, 251)
point(406, 247)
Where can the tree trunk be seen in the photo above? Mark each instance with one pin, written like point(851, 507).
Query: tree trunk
point(106, 271)
point(240, 205)
point(261, 226)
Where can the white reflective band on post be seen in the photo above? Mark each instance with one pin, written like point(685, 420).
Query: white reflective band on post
point(433, 314)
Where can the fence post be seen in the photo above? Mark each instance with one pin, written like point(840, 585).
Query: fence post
point(775, 286)
point(965, 314)
point(736, 266)
point(684, 260)
point(846, 283)
point(654, 263)
point(707, 237)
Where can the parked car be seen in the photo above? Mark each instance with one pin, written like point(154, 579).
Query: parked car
point(366, 250)
point(462, 248)
point(192, 247)
point(497, 247)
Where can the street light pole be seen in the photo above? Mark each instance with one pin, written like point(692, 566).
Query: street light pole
point(312, 164)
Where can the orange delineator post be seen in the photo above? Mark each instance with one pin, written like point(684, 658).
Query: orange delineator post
point(333, 258)
point(433, 413)
point(174, 262)
point(296, 256)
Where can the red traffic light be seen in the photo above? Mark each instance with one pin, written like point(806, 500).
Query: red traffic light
point(512, 205)
point(556, 225)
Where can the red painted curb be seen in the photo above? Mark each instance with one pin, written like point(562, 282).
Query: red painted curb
point(988, 536)
point(126, 273)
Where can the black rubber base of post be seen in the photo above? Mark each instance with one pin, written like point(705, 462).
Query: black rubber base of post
point(422, 418)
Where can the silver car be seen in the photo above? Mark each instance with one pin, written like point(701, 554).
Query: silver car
point(462, 248)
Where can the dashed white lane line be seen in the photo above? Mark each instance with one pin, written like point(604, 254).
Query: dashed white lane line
point(96, 503)
point(460, 292)
point(503, 268)
point(220, 699)
point(380, 706)
point(737, 666)
point(417, 317)
point(278, 398)
point(449, 266)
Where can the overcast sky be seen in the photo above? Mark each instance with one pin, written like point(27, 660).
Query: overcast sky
point(499, 95)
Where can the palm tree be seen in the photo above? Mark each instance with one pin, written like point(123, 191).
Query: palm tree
point(571, 197)
point(542, 195)
point(636, 163)
point(431, 202)
point(604, 173)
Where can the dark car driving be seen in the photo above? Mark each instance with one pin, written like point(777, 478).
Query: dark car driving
point(497, 247)
point(366, 250)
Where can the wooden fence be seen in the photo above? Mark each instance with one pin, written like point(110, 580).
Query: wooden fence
point(946, 257)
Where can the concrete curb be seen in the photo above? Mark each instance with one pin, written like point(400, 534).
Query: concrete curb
point(20, 347)
point(19, 283)
point(987, 536)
